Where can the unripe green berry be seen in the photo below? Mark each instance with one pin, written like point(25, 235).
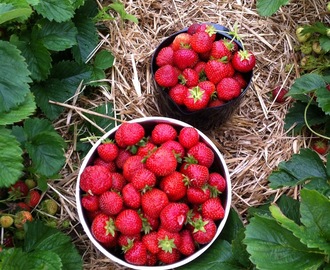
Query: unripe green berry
point(317, 47)
point(50, 206)
point(30, 183)
point(6, 221)
point(302, 37)
point(328, 7)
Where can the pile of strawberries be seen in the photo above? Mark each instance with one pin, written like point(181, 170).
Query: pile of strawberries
point(199, 71)
point(154, 195)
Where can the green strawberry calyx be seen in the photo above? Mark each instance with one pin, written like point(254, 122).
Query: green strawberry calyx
point(196, 93)
point(210, 30)
point(167, 244)
point(110, 227)
point(199, 225)
point(244, 55)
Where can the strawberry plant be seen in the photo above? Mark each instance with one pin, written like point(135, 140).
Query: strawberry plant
point(269, 7)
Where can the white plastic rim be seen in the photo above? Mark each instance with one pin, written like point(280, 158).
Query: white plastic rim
point(227, 203)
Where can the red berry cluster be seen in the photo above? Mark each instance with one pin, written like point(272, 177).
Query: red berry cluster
point(156, 196)
point(198, 70)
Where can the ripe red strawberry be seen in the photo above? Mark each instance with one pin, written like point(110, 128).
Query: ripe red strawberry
point(146, 149)
point(110, 203)
point(182, 40)
point(213, 209)
point(169, 257)
point(163, 132)
point(217, 70)
point(240, 79)
point(153, 202)
point(103, 229)
point(174, 216)
point(131, 196)
point(162, 162)
point(168, 241)
point(136, 253)
point(129, 134)
point(33, 198)
point(202, 153)
point(108, 151)
point(189, 77)
point(150, 223)
point(209, 29)
point(243, 61)
point(118, 181)
point(278, 94)
point(221, 50)
point(204, 230)
point(200, 69)
point(215, 103)
point(123, 155)
point(95, 179)
point(151, 259)
point(176, 148)
point(128, 222)
point(217, 181)
point(201, 42)
point(198, 195)
point(18, 190)
point(193, 28)
point(185, 58)
point(143, 179)
point(188, 137)
point(320, 146)
point(174, 186)
point(196, 99)
point(228, 89)
point(166, 76)
point(178, 93)
point(209, 87)
point(23, 206)
point(198, 174)
point(111, 166)
point(165, 56)
point(150, 240)
point(124, 240)
point(90, 202)
point(131, 165)
point(187, 246)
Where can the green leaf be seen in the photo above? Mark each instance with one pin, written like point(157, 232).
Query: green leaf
point(307, 165)
point(14, 77)
point(11, 161)
point(239, 250)
point(120, 9)
point(325, 43)
point(55, 36)
point(21, 112)
point(9, 12)
point(232, 227)
point(45, 146)
point(306, 83)
point(58, 11)
point(269, 7)
point(323, 99)
point(272, 247)
point(37, 57)
point(295, 117)
point(104, 59)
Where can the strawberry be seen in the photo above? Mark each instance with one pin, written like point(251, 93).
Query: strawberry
point(129, 134)
point(95, 179)
point(201, 42)
point(168, 241)
point(198, 195)
point(18, 190)
point(174, 216)
point(221, 50)
point(215, 102)
point(178, 93)
point(143, 179)
point(204, 230)
point(128, 222)
point(103, 229)
point(118, 181)
point(33, 198)
point(169, 257)
point(196, 99)
point(111, 166)
point(182, 40)
point(228, 89)
point(150, 223)
point(209, 87)
point(243, 61)
point(151, 259)
point(123, 155)
point(124, 240)
point(209, 29)
point(163, 132)
point(150, 240)
point(165, 56)
point(146, 149)
point(108, 151)
point(217, 181)
point(153, 202)
point(21, 218)
point(213, 209)
point(6, 221)
point(217, 70)
point(166, 76)
point(189, 77)
point(202, 153)
point(30, 183)
point(176, 148)
point(278, 94)
point(162, 162)
point(23, 206)
point(320, 146)
point(188, 137)
point(131, 165)
point(110, 203)
point(193, 28)
point(174, 186)
point(90, 202)
point(200, 69)
point(198, 174)
point(131, 196)
point(136, 253)
point(187, 246)
point(240, 79)
point(50, 206)
point(185, 58)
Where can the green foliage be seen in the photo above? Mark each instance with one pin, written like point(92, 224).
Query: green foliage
point(43, 248)
point(269, 7)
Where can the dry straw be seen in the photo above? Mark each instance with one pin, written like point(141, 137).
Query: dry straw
point(253, 142)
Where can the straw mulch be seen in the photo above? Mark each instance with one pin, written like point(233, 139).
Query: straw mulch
point(253, 141)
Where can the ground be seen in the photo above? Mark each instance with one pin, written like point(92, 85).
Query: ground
point(253, 141)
